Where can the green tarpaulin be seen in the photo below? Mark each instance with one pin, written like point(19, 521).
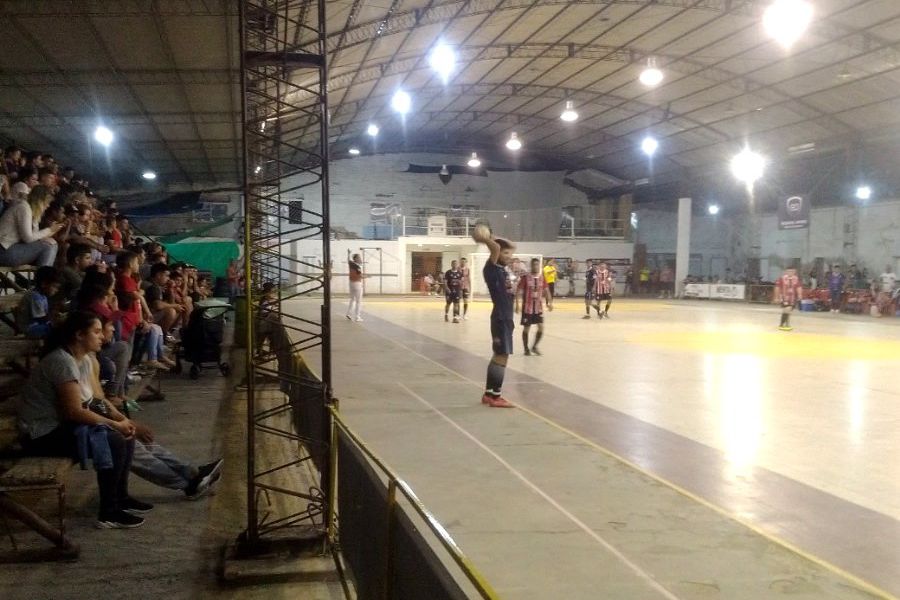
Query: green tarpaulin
point(211, 256)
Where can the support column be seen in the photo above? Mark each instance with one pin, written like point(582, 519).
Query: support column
point(682, 245)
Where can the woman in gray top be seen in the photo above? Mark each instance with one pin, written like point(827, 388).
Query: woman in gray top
point(56, 402)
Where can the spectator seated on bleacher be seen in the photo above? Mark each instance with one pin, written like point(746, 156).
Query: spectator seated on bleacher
point(78, 259)
point(97, 296)
point(165, 313)
point(136, 316)
point(21, 242)
point(177, 293)
point(37, 315)
point(58, 416)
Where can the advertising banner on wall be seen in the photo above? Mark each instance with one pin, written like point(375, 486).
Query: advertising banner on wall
point(793, 213)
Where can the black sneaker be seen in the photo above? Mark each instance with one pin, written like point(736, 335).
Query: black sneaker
point(118, 519)
point(586, 317)
point(527, 352)
point(535, 351)
point(207, 475)
point(136, 507)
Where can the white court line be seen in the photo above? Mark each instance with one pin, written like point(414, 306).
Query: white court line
point(644, 575)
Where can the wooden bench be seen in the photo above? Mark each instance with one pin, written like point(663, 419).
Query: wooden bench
point(24, 474)
point(9, 304)
point(8, 282)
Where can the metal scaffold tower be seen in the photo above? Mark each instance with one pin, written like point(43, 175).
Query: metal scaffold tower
point(285, 138)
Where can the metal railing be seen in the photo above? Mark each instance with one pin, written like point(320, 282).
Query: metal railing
point(592, 228)
point(386, 574)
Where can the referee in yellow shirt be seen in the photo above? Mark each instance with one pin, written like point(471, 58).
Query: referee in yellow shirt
point(550, 276)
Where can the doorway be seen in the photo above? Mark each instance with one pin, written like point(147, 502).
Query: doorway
point(422, 264)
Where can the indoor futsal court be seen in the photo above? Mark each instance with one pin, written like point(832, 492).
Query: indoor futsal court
point(678, 449)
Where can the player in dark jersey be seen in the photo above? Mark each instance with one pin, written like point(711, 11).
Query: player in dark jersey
point(589, 274)
point(534, 290)
point(452, 290)
point(502, 325)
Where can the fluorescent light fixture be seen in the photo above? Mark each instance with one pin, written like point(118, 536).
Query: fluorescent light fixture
point(514, 143)
point(149, 175)
point(649, 145)
point(401, 102)
point(863, 192)
point(372, 129)
point(569, 114)
point(354, 151)
point(474, 162)
point(748, 166)
point(651, 76)
point(785, 21)
point(713, 209)
point(443, 60)
point(444, 170)
point(103, 135)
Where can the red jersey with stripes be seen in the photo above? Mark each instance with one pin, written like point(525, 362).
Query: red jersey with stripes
point(790, 288)
point(602, 281)
point(534, 286)
point(466, 278)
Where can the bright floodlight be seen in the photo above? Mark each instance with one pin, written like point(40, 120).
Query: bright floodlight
point(257, 169)
point(474, 162)
point(443, 60)
point(713, 209)
point(651, 76)
point(569, 114)
point(513, 143)
point(401, 102)
point(354, 151)
point(372, 129)
point(748, 166)
point(149, 175)
point(863, 192)
point(649, 145)
point(786, 20)
point(103, 135)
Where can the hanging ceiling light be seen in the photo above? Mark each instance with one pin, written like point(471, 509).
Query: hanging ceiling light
point(713, 209)
point(443, 60)
point(103, 136)
point(401, 102)
point(257, 170)
point(354, 151)
point(786, 20)
point(863, 192)
point(513, 143)
point(748, 166)
point(569, 114)
point(474, 162)
point(149, 175)
point(372, 129)
point(649, 145)
point(651, 76)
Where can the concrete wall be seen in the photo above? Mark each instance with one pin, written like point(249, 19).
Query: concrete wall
point(867, 235)
point(534, 197)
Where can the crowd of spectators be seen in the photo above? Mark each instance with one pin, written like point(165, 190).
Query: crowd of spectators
point(106, 306)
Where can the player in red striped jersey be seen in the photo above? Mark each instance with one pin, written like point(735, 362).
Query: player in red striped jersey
point(603, 287)
point(534, 290)
point(788, 292)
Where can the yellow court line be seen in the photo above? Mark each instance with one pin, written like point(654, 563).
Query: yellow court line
point(865, 585)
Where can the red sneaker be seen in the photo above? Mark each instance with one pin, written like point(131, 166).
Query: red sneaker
point(486, 399)
point(500, 402)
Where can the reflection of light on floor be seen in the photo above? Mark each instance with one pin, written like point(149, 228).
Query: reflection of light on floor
point(773, 344)
point(739, 388)
point(858, 372)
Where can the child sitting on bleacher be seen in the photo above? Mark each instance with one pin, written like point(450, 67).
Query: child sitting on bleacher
point(36, 312)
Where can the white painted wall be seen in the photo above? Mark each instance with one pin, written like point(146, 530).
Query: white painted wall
point(867, 235)
point(357, 182)
point(395, 264)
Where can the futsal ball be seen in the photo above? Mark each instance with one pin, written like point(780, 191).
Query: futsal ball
point(482, 231)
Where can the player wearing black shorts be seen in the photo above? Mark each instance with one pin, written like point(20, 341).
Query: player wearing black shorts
point(502, 326)
point(534, 290)
point(589, 274)
point(452, 291)
point(466, 286)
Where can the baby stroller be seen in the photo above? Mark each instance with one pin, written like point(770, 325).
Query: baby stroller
point(201, 340)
